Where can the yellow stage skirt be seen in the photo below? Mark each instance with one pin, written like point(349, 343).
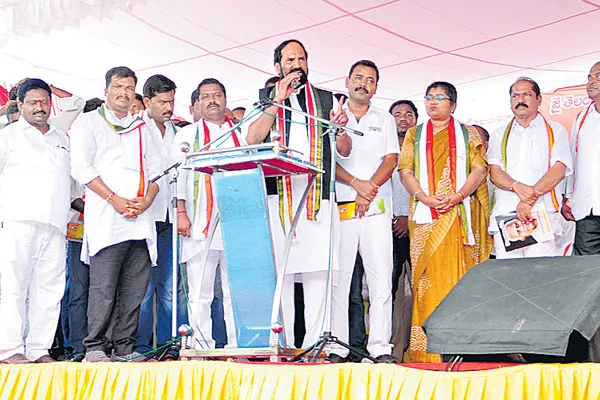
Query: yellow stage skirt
point(229, 380)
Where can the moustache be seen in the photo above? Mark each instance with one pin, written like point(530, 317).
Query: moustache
point(167, 114)
point(303, 78)
point(40, 113)
point(361, 88)
point(521, 104)
point(212, 104)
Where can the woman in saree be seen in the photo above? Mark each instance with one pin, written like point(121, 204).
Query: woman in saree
point(444, 168)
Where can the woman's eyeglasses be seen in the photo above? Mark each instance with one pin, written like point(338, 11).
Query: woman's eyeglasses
point(437, 97)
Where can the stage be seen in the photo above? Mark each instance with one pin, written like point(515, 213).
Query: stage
point(234, 380)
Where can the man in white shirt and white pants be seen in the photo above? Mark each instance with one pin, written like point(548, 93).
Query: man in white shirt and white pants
point(196, 205)
point(529, 157)
point(114, 156)
point(363, 180)
point(33, 222)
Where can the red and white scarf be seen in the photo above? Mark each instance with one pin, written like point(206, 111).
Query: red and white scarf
point(315, 138)
point(207, 177)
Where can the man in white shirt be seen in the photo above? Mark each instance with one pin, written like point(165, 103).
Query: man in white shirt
point(196, 206)
point(582, 203)
point(582, 200)
point(66, 107)
point(159, 99)
point(309, 256)
point(405, 114)
point(363, 184)
point(219, 332)
point(114, 156)
point(33, 222)
point(529, 157)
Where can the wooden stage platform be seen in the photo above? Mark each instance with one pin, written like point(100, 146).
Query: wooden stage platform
point(204, 380)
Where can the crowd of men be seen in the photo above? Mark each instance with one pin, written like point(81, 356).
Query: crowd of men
point(91, 165)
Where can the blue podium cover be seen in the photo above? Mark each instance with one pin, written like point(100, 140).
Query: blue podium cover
point(242, 203)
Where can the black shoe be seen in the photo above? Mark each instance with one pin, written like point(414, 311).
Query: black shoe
point(354, 357)
point(170, 355)
point(335, 358)
point(78, 357)
point(386, 359)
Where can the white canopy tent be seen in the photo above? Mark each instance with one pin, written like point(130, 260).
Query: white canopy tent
point(480, 46)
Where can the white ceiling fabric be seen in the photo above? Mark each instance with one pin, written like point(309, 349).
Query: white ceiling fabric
point(480, 46)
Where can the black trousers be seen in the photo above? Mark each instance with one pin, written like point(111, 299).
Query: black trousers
point(587, 236)
point(119, 277)
point(587, 242)
point(401, 254)
point(356, 310)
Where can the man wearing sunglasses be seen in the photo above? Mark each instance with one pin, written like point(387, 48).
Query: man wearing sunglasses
point(529, 157)
point(33, 222)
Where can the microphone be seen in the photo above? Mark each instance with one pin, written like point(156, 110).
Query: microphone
point(262, 104)
point(184, 147)
point(295, 84)
point(276, 137)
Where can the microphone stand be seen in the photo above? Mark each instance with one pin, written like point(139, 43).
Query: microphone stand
point(261, 105)
point(326, 337)
point(173, 169)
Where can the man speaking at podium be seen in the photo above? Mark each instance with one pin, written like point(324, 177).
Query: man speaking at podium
point(308, 260)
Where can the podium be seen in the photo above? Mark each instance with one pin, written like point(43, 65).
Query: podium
point(239, 181)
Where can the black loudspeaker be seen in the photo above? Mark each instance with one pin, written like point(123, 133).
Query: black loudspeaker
point(546, 309)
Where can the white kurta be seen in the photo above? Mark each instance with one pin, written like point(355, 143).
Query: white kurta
point(527, 154)
point(185, 186)
point(200, 277)
point(99, 151)
point(583, 187)
point(33, 220)
point(42, 161)
point(310, 247)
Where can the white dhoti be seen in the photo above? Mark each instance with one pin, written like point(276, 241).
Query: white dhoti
point(32, 264)
point(201, 295)
point(308, 262)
